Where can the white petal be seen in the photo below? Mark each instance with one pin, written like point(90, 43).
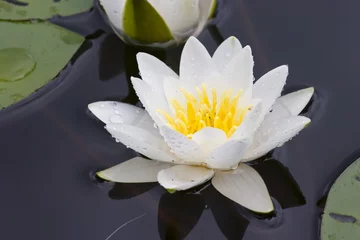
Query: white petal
point(205, 7)
point(228, 155)
point(251, 121)
point(227, 50)
point(151, 99)
point(209, 139)
point(142, 141)
point(183, 177)
point(238, 73)
point(117, 112)
point(244, 186)
point(180, 15)
point(275, 135)
point(153, 71)
point(172, 89)
point(293, 102)
point(183, 147)
point(196, 63)
point(135, 170)
point(269, 87)
point(114, 10)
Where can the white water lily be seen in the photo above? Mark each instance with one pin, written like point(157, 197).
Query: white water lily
point(158, 22)
point(204, 123)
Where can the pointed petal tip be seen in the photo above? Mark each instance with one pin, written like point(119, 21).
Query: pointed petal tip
point(101, 175)
point(171, 191)
point(307, 122)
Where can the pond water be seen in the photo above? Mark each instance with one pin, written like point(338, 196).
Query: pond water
point(52, 146)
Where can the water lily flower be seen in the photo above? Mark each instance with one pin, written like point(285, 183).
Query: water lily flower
point(158, 22)
point(206, 123)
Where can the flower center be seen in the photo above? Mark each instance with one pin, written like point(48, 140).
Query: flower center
point(205, 111)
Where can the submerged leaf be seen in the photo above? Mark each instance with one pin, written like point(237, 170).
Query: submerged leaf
point(41, 9)
point(341, 218)
point(31, 55)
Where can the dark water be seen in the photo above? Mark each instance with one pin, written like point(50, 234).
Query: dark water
point(51, 147)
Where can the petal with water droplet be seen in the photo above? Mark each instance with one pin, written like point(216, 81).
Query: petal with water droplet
point(153, 71)
point(228, 155)
point(142, 141)
point(274, 135)
point(252, 121)
point(135, 170)
point(151, 99)
point(183, 147)
point(269, 87)
point(227, 50)
point(244, 186)
point(196, 64)
point(209, 139)
point(238, 74)
point(117, 112)
point(293, 102)
point(183, 177)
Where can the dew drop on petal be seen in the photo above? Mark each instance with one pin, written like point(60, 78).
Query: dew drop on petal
point(116, 119)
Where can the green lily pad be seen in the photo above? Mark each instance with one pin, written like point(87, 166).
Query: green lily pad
point(42, 9)
point(143, 23)
point(31, 55)
point(341, 218)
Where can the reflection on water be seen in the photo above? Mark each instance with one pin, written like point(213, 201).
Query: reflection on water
point(50, 145)
point(179, 213)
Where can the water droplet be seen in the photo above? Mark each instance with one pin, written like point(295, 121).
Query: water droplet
point(155, 126)
point(15, 64)
point(116, 112)
point(116, 119)
point(192, 59)
point(102, 105)
point(117, 140)
point(228, 54)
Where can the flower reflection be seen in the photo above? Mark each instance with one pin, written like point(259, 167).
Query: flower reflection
point(180, 212)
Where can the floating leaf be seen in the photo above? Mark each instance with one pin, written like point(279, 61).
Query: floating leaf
point(341, 218)
point(41, 9)
point(31, 55)
point(143, 23)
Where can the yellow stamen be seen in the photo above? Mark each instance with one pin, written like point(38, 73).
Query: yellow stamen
point(205, 110)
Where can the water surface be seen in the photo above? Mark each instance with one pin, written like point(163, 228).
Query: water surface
point(51, 147)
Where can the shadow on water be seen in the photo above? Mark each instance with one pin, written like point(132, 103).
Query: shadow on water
point(179, 213)
point(113, 51)
point(129, 190)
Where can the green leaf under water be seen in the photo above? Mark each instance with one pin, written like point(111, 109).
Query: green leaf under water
point(143, 23)
point(42, 9)
point(32, 54)
point(341, 218)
